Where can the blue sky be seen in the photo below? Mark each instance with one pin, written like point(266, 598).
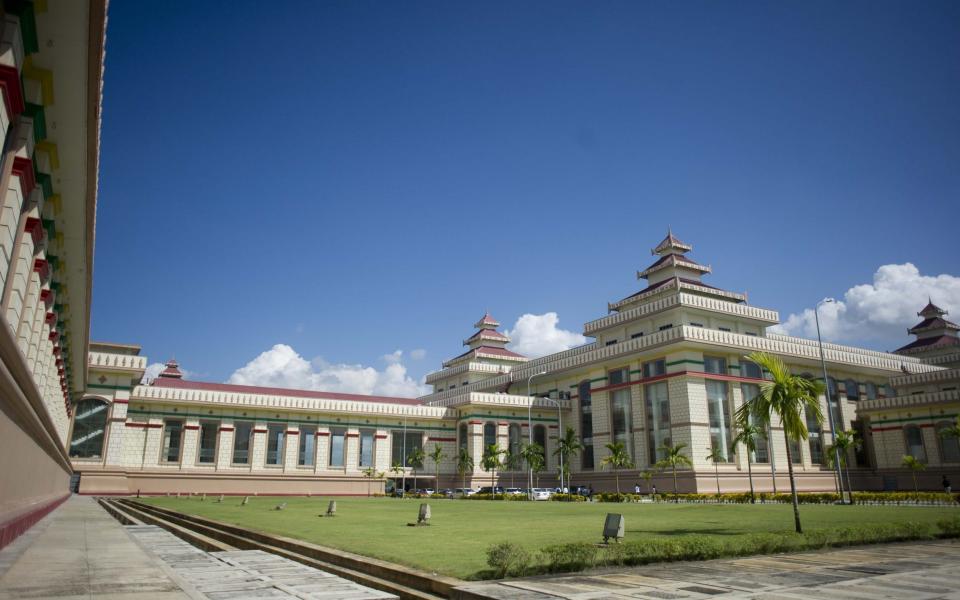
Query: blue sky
point(353, 178)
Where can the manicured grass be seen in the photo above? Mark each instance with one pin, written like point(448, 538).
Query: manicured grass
point(462, 530)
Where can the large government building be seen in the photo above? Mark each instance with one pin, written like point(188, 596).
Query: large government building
point(667, 365)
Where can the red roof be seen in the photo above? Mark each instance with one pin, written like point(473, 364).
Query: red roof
point(943, 340)
point(490, 333)
point(671, 241)
point(934, 323)
point(931, 310)
point(271, 391)
point(487, 320)
point(650, 288)
point(487, 350)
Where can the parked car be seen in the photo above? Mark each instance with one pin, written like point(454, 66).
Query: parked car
point(446, 493)
point(542, 493)
point(580, 490)
point(491, 490)
point(426, 491)
point(515, 491)
point(462, 492)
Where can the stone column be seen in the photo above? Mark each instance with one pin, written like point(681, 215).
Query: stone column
point(258, 449)
point(323, 448)
point(291, 448)
point(351, 452)
point(191, 443)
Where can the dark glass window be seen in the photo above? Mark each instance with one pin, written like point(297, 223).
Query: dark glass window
point(750, 369)
point(89, 427)
point(715, 364)
point(241, 443)
point(208, 442)
point(275, 435)
point(307, 446)
point(172, 439)
point(654, 368)
point(367, 441)
point(586, 425)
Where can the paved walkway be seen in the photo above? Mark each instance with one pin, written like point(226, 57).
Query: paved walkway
point(920, 571)
point(80, 551)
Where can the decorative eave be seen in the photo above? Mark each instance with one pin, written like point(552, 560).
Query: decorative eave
point(944, 342)
point(470, 367)
point(487, 334)
point(676, 284)
point(933, 324)
point(673, 260)
point(671, 243)
point(486, 322)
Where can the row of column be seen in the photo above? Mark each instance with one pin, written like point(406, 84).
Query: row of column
point(28, 301)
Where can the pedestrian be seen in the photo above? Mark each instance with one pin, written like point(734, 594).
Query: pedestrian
point(590, 493)
point(654, 492)
point(946, 485)
point(636, 489)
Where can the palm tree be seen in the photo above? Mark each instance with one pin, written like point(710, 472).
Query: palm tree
point(491, 462)
point(534, 457)
point(788, 396)
point(843, 441)
point(716, 456)
point(914, 465)
point(567, 446)
point(512, 462)
point(748, 435)
point(369, 473)
point(951, 431)
point(436, 456)
point(647, 476)
point(618, 459)
point(415, 460)
point(673, 457)
point(397, 470)
point(464, 464)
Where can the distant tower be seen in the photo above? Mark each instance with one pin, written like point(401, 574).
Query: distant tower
point(172, 370)
point(672, 263)
point(937, 340)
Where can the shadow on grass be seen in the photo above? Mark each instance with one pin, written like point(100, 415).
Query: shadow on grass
point(687, 531)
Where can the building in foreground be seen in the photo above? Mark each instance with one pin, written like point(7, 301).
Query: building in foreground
point(667, 366)
point(51, 59)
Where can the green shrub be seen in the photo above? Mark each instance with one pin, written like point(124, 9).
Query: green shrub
point(575, 556)
point(507, 558)
point(949, 527)
point(567, 498)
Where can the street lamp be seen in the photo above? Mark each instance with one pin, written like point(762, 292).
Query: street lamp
point(530, 430)
point(559, 433)
point(826, 383)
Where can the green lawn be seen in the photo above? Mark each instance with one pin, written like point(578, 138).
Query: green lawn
point(462, 530)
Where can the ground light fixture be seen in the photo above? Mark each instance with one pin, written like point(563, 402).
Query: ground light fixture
point(613, 527)
point(826, 384)
point(530, 430)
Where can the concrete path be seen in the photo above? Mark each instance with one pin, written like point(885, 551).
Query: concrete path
point(80, 551)
point(921, 571)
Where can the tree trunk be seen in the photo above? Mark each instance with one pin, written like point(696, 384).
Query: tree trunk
point(916, 488)
point(716, 473)
point(616, 476)
point(793, 486)
point(675, 499)
point(753, 499)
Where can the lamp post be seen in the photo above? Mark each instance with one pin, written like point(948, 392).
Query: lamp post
point(826, 383)
point(530, 430)
point(559, 433)
point(404, 454)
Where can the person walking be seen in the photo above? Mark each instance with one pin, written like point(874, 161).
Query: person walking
point(946, 485)
point(636, 489)
point(590, 493)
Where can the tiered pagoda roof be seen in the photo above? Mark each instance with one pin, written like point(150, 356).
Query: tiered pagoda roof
point(486, 343)
point(172, 370)
point(674, 270)
point(933, 332)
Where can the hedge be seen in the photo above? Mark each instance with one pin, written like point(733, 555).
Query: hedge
point(508, 558)
point(936, 498)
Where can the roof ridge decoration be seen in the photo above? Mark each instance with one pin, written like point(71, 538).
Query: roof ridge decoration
point(172, 370)
point(931, 310)
point(671, 243)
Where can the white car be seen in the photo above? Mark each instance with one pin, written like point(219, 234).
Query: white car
point(542, 493)
point(463, 492)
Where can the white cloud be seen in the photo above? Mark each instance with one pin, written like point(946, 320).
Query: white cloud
point(152, 371)
point(881, 311)
point(538, 335)
point(282, 366)
point(418, 354)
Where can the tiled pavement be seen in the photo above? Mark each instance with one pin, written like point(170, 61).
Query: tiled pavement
point(79, 551)
point(246, 573)
point(921, 571)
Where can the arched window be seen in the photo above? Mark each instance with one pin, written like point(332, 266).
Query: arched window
point(586, 425)
point(914, 440)
point(489, 434)
point(89, 427)
point(463, 435)
point(949, 445)
point(852, 388)
point(513, 439)
point(540, 437)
